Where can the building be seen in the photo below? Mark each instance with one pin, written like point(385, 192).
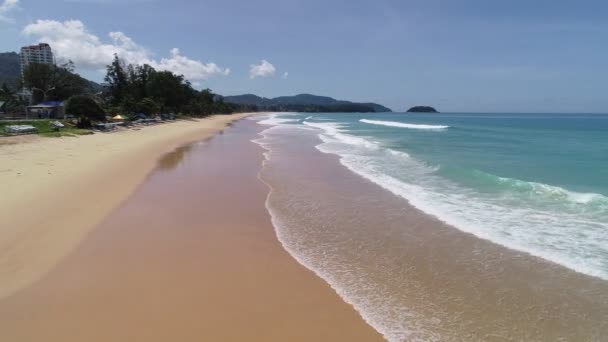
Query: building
point(46, 110)
point(40, 54)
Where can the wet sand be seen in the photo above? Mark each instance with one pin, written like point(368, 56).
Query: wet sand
point(413, 277)
point(55, 190)
point(190, 256)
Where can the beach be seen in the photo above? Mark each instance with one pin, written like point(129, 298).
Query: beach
point(187, 252)
point(54, 191)
point(252, 232)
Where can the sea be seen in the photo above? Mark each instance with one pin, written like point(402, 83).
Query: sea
point(535, 184)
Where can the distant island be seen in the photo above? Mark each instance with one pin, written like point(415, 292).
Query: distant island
point(422, 109)
point(305, 103)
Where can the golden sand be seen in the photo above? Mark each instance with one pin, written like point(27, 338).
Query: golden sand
point(55, 190)
point(191, 255)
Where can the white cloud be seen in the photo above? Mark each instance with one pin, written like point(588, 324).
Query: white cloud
point(264, 69)
point(6, 7)
point(182, 65)
point(285, 75)
point(70, 40)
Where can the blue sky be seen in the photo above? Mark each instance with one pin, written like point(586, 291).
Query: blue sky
point(459, 55)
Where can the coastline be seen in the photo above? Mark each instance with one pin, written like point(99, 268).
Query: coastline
point(55, 190)
point(410, 275)
point(190, 255)
point(230, 240)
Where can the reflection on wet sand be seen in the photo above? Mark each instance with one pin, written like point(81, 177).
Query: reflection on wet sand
point(191, 256)
point(172, 159)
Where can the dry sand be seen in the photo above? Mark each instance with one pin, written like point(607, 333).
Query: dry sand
point(190, 256)
point(54, 190)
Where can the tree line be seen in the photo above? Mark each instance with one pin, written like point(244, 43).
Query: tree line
point(128, 89)
point(133, 88)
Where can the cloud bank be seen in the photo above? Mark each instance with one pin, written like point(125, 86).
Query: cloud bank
point(71, 40)
point(6, 7)
point(264, 69)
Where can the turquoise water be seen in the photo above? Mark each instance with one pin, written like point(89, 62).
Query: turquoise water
point(537, 183)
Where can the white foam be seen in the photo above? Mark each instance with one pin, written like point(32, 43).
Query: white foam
point(334, 129)
point(555, 192)
point(565, 237)
point(393, 321)
point(404, 125)
point(555, 236)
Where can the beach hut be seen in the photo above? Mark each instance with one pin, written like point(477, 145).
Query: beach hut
point(47, 110)
point(117, 117)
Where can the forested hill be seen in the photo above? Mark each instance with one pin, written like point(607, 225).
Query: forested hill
point(10, 73)
point(305, 103)
point(10, 70)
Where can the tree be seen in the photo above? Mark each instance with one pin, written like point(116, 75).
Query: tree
point(141, 88)
point(148, 106)
point(142, 75)
point(86, 109)
point(13, 103)
point(50, 82)
point(170, 90)
point(128, 104)
point(67, 83)
point(40, 78)
point(117, 81)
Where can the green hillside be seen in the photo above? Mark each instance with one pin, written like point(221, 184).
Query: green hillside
point(10, 70)
point(305, 103)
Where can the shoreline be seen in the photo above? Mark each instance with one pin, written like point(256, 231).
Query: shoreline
point(225, 231)
point(55, 190)
point(174, 262)
point(410, 275)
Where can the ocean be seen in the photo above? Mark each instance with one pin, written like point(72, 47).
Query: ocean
point(536, 184)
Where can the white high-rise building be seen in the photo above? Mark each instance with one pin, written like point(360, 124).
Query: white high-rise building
point(40, 54)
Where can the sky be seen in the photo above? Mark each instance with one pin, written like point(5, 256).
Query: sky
point(455, 55)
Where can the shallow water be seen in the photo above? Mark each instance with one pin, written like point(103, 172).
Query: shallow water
point(532, 182)
point(410, 275)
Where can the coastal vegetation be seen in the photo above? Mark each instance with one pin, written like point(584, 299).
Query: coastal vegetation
point(46, 83)
point(12, 102)
point(135, 90)
point(56, 83)
point(128, 90)
point(45, 128)
point(85, 109)
point(132, 88)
